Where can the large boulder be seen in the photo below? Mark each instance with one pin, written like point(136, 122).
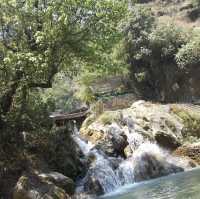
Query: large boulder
point(31, 186)
point(150, 161)
point(109, 139)
point(60, 180)
point(101, 177)
point(166, 140)
point(150, 166)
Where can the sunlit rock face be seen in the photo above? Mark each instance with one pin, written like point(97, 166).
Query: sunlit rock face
point(142, 122)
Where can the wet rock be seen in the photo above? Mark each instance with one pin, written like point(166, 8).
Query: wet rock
point(115, 162)
point(93, 186)
point(149, 166)
point(111, 140)
point(101, 177)
point(31, 186)
point(150, 161)
point(165, 140)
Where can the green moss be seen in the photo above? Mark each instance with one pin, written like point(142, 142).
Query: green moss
point(190, 120)
point(109, 116)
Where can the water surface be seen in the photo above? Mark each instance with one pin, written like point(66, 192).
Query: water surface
point(185, 185)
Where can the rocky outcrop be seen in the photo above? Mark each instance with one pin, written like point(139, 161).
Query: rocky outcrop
point(31, 186)
point(110, 140)
point(59, 180)
point(135, 144)
point(113, 131)
point(191, 151)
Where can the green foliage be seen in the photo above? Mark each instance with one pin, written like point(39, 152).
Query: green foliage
point(39, 39)
point(62, 94)
point(136, 30)
point(165, 40)
point(86, 95)
point(159, 55)
point(109, 116)
point(189, 55)
point(196, 3)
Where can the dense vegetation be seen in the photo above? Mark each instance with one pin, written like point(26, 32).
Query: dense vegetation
point(46, 47)
point(159, 52)
point(39, 39)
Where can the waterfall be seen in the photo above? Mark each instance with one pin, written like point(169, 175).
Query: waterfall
point(125, 172)
point(103, 172)
point(101, 169)
point(147, 161)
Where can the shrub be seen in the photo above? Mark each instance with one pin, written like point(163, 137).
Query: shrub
point(196, 3)
point(136, 30)
point(165, 40)
point(191, 122)
point(189, 55)
point(109, 116)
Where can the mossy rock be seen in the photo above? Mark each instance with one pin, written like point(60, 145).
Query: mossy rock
point(190, 120)
point(31, 186)
point(109, 116)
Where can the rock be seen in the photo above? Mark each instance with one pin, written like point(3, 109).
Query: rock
point(111, 140)
point(101, 178)
point(93, 186)
point(60, 180)
point(190, 150)
point(151, 162)
point(128, 151)
point(151, 167)
point(165, 140)
point(31, 186)
point(141, 123)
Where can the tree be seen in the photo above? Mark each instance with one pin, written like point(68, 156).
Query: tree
point(136, 30)
point(150, 49)
point(39, 38)
point(188, 57)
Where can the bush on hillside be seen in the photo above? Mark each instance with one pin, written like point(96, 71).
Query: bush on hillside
point(196, 3)
point(165, 40)
point(136, 30)
point(189, 55)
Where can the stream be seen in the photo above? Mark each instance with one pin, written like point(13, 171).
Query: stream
point(185, 185)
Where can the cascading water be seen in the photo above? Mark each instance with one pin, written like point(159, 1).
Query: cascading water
point(100, 169)
point(147, 161)
point(125, 172)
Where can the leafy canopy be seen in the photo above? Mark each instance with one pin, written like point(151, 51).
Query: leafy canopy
point(40, 38)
